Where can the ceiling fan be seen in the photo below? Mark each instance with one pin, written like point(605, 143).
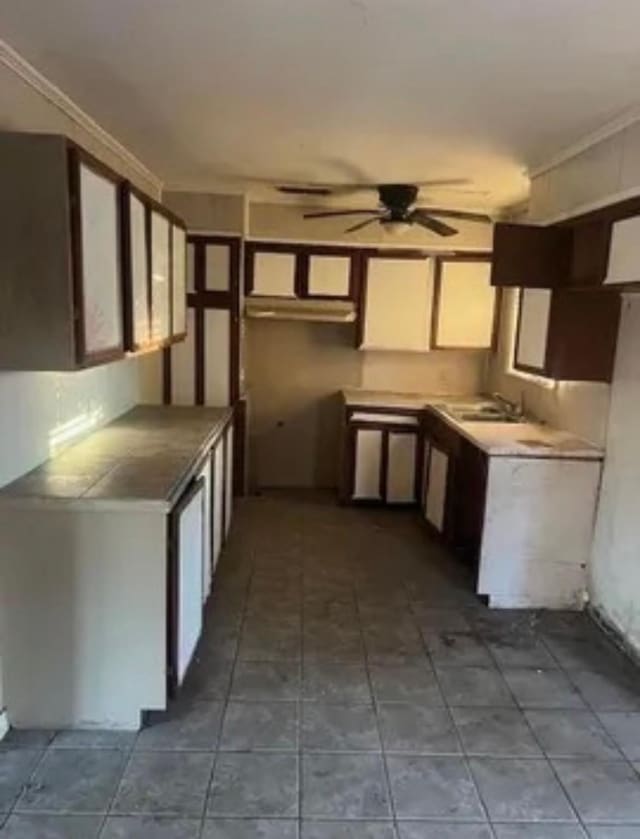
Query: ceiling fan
point(396, 211)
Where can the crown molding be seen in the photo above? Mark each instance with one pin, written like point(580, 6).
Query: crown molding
point(36, 80)
point(609, 129)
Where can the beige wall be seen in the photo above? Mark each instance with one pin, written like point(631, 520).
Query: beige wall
point(295, 371)
point(285, 221)
point(205, 212)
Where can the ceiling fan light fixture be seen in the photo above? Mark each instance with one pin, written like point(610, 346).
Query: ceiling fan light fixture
point(395, 227)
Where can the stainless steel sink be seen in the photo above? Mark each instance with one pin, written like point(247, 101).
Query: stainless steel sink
point(485, 416)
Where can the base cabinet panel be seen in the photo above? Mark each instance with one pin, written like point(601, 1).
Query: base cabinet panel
point(436, 494)
point(401, 467)
point(187, 564)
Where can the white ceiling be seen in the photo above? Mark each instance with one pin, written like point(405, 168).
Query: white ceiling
point(209, 91)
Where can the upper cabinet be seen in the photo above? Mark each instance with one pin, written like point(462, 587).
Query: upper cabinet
point(414, 302)
point(598, 249)
point(76, 258)
point(465, 307)
point(397, 302)
point(567, 335)
point(530, 256)
point(300, 271)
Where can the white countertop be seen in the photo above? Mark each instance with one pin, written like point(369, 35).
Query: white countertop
point(143, 459)
point(498, 439)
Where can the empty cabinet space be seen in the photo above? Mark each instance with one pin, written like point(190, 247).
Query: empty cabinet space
point(401, 467)
point(465, 307)
point(178, 281)
point(329, 276)
point(398, 301)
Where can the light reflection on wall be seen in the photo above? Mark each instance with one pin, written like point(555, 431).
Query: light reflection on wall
point(72, 430)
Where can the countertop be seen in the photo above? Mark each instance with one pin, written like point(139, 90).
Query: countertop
point(144, 459)
point(498, 439)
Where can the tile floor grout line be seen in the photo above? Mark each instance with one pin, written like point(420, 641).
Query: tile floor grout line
point(374, 701)
point(114, 795)
point(227, 696)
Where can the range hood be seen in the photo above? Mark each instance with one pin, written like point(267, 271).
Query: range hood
point(294, 308)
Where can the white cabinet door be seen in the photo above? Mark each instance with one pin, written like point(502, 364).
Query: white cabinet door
point(368, 461)
point(206, 474)
point(436, 497)
point(401, 468)
point(217, 351)
point(398, 304)
point(624, 252)
point(329, 276)
point(160, 277)
point(465, 305)
point(228, 480)
point(274, 274)
point(139, 269)
point(533, 327)
point(218, 500)
point(189, 546)
point(178, 280)
point(426, 454)
point(100, 264)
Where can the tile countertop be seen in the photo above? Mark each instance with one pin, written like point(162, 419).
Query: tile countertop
point(497, 439)
point(144, 458)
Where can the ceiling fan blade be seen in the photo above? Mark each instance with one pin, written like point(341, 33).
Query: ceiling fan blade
point(432, 224)
point(361, 224)
point(304, 190)
point(329, 213)
point(444, 182)
point(460, 214)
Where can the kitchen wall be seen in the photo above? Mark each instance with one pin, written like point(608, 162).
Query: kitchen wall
point(615, 570)
point(294, 372)
point(41, 410)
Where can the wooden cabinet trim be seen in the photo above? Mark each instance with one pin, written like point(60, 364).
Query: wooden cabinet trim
point(77, 156)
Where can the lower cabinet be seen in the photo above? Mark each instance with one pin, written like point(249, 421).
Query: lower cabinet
point(381, 458)
point(198, 528)
point(187, 556)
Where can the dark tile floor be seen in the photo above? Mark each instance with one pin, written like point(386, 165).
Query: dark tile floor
point(349, 686)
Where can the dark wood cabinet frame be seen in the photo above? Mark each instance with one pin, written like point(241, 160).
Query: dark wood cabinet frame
point(481, 256)
point(77, 156)
point(302, 254)
point(201, 299)
point(173, 578)
point(172, 219)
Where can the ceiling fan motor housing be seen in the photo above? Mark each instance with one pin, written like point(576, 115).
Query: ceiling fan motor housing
point(397, 198)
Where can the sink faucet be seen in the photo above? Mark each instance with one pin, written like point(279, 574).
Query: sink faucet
point(512, 409)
